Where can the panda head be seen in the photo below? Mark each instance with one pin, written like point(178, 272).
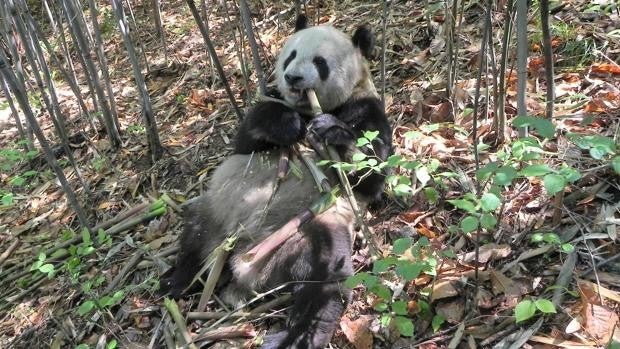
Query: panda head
point(326, 60)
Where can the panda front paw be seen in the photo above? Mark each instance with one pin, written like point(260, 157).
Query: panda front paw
point(331, 130)
point(274, 341)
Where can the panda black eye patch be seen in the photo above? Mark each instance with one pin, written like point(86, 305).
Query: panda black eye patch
point(288, 59)
point(321, 66)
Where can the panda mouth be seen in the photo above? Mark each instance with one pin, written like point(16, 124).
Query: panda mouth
point(298, 94)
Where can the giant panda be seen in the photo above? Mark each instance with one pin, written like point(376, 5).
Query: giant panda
point(316, 260)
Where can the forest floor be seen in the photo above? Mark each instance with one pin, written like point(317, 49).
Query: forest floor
point(102, 292)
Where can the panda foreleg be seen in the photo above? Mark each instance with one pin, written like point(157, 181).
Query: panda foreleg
point(268, 125)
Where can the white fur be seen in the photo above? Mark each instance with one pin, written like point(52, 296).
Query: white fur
point(345, 61)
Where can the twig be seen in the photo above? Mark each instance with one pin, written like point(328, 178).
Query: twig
point(228, 332)
point(254, 313)
point(8, 251)
point(173, 309)
point(129, 266)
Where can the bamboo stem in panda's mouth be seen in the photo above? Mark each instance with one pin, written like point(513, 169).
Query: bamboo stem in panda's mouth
point(315, 106)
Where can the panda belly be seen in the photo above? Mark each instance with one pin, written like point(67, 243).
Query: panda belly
point(240, 190)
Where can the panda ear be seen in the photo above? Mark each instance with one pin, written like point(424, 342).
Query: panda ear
point(301, 23)
point(364, 40)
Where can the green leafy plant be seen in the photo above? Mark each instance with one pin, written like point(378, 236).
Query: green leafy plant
point(553, 239)
point(11, 156)
point(527, 308)
point(406, 262)
point(41, 266)
point(101, 303)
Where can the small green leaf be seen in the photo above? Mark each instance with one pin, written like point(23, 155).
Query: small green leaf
point(537, 237)
point(438, 320)
point(358, 157)
point(381, 266)
point(382, 291)
point(484, 172)
point(535, 170)
point(554, 183)
point(504, 175)
point(431, 194)
point(82, 346)
point(524, 310)
point(394, 160)
point(404, 326)
point(46, 268)
point(488, 221)
point(489, 202)
point(598, 152)
point(86, 307)
point(401, 245)
point(570, 174)
point(7, 199)
point(385, 320)
point(353, 280)
point(615, 164)
point(362, 142)
point(469, 224)
point(371, 135)
point(464, 205)
point(381, 306)
point(17, 181)
point(112, 344)
point(545, 305)
point(544, 127)
point(408, 270)
point(568, 248)
point(403, 190)
point(86, 237)
point(552, 238)
point(400, 307)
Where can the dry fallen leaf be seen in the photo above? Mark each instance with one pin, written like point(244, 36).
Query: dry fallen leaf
point(605, 68)
point(599, 321)
point(452, 311)
point(357, 331)
point(444, 289)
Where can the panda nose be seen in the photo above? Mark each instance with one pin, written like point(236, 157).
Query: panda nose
point(292, 79)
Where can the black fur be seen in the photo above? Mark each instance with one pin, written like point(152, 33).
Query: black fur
point(272, 125)
point(268, 125)
point(365, 40)
point(301, 23)
point(321, 65)
point(289, 59)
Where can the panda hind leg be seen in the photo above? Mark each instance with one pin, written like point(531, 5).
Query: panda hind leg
point(193, 247)
point(321, 263)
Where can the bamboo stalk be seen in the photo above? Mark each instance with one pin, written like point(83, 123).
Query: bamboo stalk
point(173, 309)
point(344, 181)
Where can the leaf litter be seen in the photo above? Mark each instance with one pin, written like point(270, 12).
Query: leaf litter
point(197, 126)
